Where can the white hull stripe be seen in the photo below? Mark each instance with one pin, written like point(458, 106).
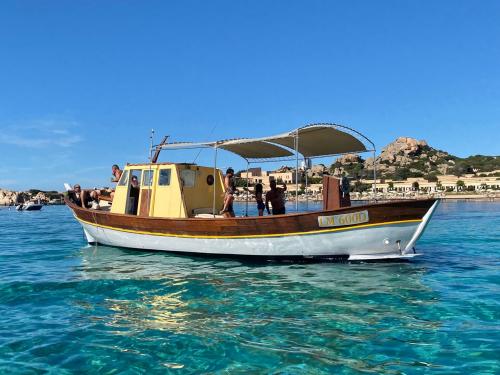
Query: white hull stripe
point(253, 235)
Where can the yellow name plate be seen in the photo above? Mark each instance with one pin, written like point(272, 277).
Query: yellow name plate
point(343, 219)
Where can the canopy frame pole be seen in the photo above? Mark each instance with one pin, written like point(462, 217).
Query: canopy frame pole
point(215, 179)
point(374, 176)
point(246, 203)
point(297, 171)
point(305, 189)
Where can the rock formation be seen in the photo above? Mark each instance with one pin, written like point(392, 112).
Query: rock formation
point(349, 159)
point(317, 170)
point(413, 157)
point(40, 196)
point(409, 157)
point(10, 198)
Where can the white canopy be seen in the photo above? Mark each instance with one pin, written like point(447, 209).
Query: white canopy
point(255, 149)
point(310, 141)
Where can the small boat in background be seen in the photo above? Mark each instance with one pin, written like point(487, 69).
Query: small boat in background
point(29, 206)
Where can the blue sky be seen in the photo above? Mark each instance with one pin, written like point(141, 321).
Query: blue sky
point(83, 82)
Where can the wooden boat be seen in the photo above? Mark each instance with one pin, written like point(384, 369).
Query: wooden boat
point(174, 208)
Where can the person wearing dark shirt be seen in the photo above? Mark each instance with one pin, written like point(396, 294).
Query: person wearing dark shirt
point(134, 193)
point(80, 197)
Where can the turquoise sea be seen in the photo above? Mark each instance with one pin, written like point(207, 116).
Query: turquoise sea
point(68, 308)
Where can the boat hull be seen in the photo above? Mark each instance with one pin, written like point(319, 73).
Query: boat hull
point(374, 242)
point(391, 232)
point(34, 207)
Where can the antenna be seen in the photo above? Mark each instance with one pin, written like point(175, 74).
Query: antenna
point(150, 175)
point(199, 152)
point(151, 145)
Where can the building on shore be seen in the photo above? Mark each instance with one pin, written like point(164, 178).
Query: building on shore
point(444, 183)
point(411, 187)
point(258, 176)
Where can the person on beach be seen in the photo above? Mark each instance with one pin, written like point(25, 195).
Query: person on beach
point(277, 198)
point(258, 198)
point(230, 190)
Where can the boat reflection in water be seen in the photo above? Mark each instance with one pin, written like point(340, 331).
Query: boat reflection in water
point(206, 297)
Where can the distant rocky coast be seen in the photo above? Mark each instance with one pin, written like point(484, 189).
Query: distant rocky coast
point(11, 198)
point(406, 169)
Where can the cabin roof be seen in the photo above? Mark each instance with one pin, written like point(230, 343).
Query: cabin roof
point(162, 163)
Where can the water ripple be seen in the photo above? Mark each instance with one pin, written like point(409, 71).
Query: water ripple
point(67, 307)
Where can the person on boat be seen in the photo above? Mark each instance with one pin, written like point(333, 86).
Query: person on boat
point(258, 198)
point(277, 198)
point(80, 197)
point(134, 182)
point(117, 173)
point(230, 190)
point(134, 193)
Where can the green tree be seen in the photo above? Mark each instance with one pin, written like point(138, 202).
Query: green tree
point(315, 180)
point(361, 187)
point(460, 185)
point(460, 168)
point(401, 174)
point(242, 182)
point(432, 178)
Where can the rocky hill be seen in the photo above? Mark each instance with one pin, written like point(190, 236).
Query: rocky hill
point(408, 157)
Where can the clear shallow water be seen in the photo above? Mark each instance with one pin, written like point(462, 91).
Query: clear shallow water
point(66, 307)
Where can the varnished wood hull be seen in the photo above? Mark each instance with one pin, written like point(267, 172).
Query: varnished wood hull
point(391, 230)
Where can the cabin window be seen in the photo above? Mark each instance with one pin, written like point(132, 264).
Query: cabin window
point(147, 179)
point(210, 179)
point(123, 179)
point(164, 179)
point(188, 177)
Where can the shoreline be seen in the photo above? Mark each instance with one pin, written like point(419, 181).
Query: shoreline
point(468, 197)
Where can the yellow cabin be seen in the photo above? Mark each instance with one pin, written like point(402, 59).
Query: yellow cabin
point(168, 190)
